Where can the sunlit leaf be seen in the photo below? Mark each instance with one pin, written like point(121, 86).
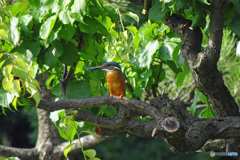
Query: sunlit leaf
point(8, 78)
point(133, 29)
point(206, 113)
point(205, 2)
point(67, 149)
point(54, 115)
point(14, 33)
point(47, 27)
point(91, 153)
point(145, 56)
point(14, 103)
point(133, 15)
point(16, 88)
point(65, 17)
point(12, 158)
point(78, 9)
point(6, 98)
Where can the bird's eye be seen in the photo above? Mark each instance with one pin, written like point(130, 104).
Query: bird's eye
point(104, 65)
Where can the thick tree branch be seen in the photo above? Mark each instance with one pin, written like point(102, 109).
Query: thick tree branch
point(26, 154)
point(122, 118)
point(216, 28)
point(132, 104)
point(203, 65)
point(192, 134)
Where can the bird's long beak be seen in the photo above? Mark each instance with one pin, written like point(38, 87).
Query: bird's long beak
point(96, 68)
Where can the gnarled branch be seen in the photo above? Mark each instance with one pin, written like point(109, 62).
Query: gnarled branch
point(203, 65)
point(191, 136)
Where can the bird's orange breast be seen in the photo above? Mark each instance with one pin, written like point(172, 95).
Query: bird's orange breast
point(116, 83)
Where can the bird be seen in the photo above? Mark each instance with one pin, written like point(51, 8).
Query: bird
point(115, 78)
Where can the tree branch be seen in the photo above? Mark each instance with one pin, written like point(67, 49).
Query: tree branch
point(216, 28)
point(203, 65)
point(121, 119)
point(191, 135)
point(67, 76)
point(132, 104)
point(26, 154)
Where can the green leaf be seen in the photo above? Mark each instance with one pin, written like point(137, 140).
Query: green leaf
point(91, 153)
point(70, 55)
point(67, 149)
point(63, 3)
point(157, 13)
point(92, 26)
point(132, 29)
point(100, 8)
point(37, 98)
point(65, 17)
point(67, 32)
point(14, 33)
point(34, 3)
point(32, 85)
point(78, 90)
point(4, 32)
point(79, 68)
point(47, 27)
point(16, 88)
point(7, 84)
point(110, 111)
point(206, 113)
point(7, 70)
point(139, 90)
point(234, 26)
point(54, 115)
point(25, 20)
point(205, 2)
point(49, 58)
point(181, 75)
point(18, 9)
point(95, 85)
point(136, 40)
point(67, 132)
point(145, 56)
point(144, 77)
point(199, 19)
point(195, 101)
point(14, 103)
point(79, 10)
point(48, 4)
point(20, 68)
point(6, 98)
point(133, 15)
point(8, 78)
point(33, 47)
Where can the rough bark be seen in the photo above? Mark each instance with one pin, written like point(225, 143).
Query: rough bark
point(190, 136)
point(203, 65)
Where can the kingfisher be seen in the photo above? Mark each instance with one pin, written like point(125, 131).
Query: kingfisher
point(115, 78)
